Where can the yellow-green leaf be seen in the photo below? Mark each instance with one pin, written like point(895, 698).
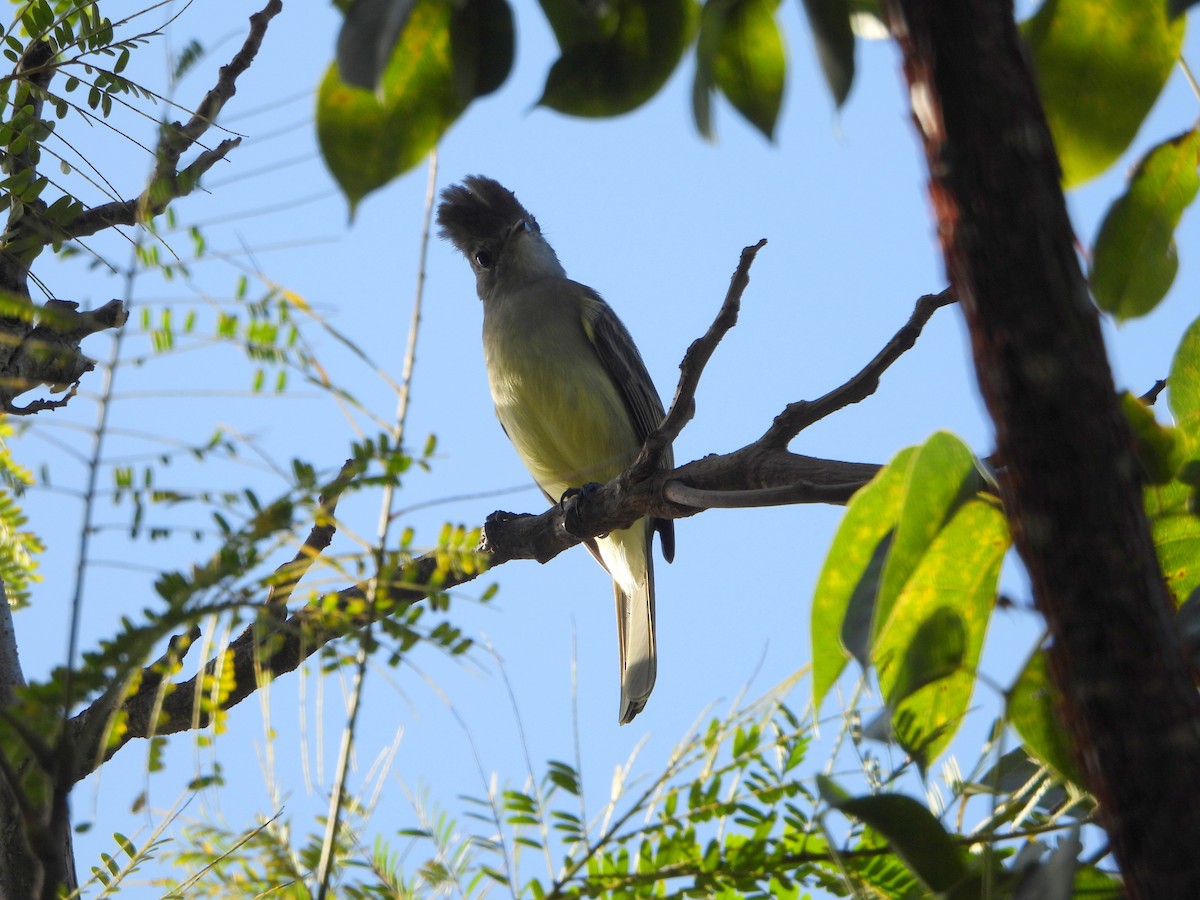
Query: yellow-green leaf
point(1100, 66)
point(850, 577)
point(942, 476)
point(1183, 390)
point(1134, 258)
point(927, 654)
point(741, 50)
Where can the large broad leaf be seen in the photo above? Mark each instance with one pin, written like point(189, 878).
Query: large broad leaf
point(1100, 66)
point(438, 65)
point(1033, 712)
point(834, 38)
point(942, 476)
point(614, 56)
point(850, 577)
point(927, 654)
point(912, 831)
point(1134, 259)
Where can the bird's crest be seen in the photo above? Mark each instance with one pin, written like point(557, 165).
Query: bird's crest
point(476, 210)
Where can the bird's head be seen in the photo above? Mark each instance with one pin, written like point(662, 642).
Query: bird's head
point(498, 236)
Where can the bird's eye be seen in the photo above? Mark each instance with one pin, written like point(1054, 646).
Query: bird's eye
point(483, 259)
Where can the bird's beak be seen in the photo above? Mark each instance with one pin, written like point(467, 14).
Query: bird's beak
point(521, 225)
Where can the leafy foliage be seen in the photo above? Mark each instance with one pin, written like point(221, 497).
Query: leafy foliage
point(18, 546)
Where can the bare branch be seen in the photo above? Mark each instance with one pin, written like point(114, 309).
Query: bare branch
point(759, 474)
point(798, 416)
point(683, 406)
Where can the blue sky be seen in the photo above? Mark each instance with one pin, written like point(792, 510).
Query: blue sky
point(646, 212)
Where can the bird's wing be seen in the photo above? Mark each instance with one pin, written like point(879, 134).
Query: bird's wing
point(619, 356)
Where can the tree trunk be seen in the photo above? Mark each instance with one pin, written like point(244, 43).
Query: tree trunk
point(23, 869)
point(1069, 478)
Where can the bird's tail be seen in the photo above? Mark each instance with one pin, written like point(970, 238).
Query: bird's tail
point(628, 559)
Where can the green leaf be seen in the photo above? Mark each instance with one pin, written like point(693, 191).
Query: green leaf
point(927, 655)
point(941, 477)
point(850, 577)
point(1134, 259)
point(614, 56)
point(1100, 65)
point(1159, 447)
point(912, 831)
point(482, 45)
point(366, 138)
point(1033, 712)
point(750, 65)
point(1183, 390)
point(748, 62)
point(1175, 528)
point(830, 24)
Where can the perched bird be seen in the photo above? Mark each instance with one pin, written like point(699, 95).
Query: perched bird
point(570, 390)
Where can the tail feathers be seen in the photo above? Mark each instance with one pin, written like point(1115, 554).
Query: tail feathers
point(639, 655)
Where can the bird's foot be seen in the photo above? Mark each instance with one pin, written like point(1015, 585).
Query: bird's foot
point(580, 493)
point(570, 502)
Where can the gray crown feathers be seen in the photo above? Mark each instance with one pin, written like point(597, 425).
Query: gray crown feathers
point(476, 210)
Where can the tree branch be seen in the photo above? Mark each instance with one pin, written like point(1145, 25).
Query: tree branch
point(758, 474)
point(169, 183)
point(40, 345)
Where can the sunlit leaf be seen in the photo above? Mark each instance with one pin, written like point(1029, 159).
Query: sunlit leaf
point(1134, 259)
point(1172, 507)
point(739, 51)
point(1183, 389)
point(942, 476)
point(1100, 66)
point(927, 655)
point(850, 577)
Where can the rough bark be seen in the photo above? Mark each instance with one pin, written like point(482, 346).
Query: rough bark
point(1069, 478)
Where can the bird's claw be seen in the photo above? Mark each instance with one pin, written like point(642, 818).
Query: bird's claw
point(571, 510)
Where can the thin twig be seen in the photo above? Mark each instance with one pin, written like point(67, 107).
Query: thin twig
point(683, 406)
point(798, 416)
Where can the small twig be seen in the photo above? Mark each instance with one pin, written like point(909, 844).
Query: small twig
point(683, 406)
point(1152, 395)
point(799, 415)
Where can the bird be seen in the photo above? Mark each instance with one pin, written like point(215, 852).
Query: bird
point(571, 392)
